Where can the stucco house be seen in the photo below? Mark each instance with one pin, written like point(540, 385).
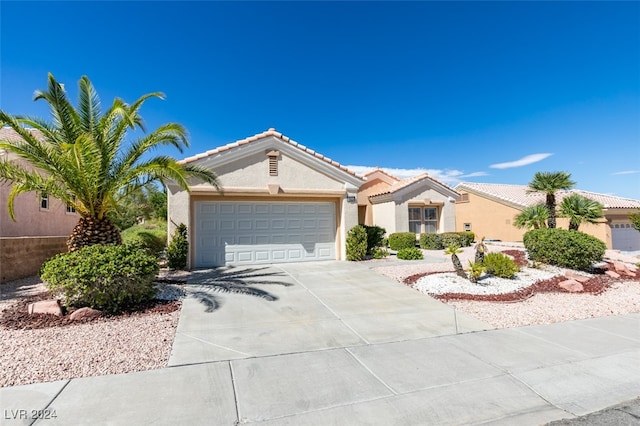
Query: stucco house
point(36, 215)
point(417, 204)
point(40, 230)
point(489, 211)
point(283, 202)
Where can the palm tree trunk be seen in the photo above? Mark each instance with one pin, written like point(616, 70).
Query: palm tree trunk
point(458, 266)
point(551, 206)
point(90, 231)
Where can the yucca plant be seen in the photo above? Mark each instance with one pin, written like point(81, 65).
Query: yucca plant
point(481, 248)
point(84, 158)
point(454, 250)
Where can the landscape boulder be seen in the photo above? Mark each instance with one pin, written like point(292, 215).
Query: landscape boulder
point(84, 314)
point(571, 286)
point(45, 307)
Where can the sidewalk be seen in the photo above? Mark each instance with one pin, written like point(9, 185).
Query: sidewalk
point(344, 345)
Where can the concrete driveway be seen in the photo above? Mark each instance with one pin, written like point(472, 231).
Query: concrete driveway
point(334, 343)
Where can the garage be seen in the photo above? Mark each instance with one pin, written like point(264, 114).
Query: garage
point(625, 237)
point(255, 232)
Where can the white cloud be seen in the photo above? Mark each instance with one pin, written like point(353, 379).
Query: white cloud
point(450, 177)
point(627, 172)
point(524, 161)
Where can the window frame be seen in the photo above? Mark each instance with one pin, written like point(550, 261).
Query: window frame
point(44, 202)
point(423, 218)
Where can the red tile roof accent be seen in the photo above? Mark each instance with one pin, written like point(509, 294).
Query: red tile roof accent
point(410, 181)
point(258, 136)
point(519, 195)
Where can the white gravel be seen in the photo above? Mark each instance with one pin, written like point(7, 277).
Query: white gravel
point(487, 284)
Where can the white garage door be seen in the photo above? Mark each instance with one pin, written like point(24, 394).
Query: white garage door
point(234, 233)
point(625, 237)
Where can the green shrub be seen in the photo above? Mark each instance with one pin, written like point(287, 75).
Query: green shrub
point(460, 239)
point(356, 243)
point(500, 265)
point(151, 236)
point(431, 241)
point(375, 237)
point(401, 240)
point(569, 249)
point(410, 253)
point(178, 249)
point(379, 253)
point(106, 277)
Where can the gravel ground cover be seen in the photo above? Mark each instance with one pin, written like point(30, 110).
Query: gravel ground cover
point(43, 348)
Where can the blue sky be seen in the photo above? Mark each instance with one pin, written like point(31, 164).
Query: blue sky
point(468, 91)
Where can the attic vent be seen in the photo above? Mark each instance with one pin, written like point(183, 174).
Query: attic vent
point(464, 198)
point(273, 162)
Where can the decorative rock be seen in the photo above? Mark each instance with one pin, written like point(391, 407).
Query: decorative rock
point(620, 267)
point(45, 307)
point(612, 274)
point(84, 313)
point(576, 277)
point(572, 286)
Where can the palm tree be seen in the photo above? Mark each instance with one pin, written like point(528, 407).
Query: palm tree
point(532, 217)
point(454, 250)
point(579, 209)
point(81, 157)
point(550, 183)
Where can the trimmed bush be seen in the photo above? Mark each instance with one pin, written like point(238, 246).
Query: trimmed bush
point(379, 253)
point(151, 236)
point(500, 265)
point(460, 239)
point(105, 277)
point(356, 243)
point(401, 240)
point(178, 249)
point(410, 253)
point(568, 249)
point(375, 237)
point(431, 241)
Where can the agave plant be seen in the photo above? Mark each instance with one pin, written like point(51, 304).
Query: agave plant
point(84, 157)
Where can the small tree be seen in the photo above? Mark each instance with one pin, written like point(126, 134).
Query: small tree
point(579, 209)
point(549, 183)
point(178, 249)
point(454, 251)
point(532, 217)
point(635, 220)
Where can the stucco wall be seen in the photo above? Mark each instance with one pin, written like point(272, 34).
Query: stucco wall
point(370, 188)
point(494, 220)
point(23, 256)
point(33, 221)
point(385, 216)
point(253, 172)
point(446, 209)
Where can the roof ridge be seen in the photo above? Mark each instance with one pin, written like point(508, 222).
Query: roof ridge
point(269, 132)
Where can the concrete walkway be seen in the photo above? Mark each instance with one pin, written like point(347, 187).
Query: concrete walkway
point(335, 343)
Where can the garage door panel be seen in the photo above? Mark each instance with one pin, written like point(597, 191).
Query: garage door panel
point(625, 237)
point(263, 232)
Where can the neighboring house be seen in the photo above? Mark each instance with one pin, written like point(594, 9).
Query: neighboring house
point(419, 204)
point(283, 202)
point(489, 211)
point(35, 215)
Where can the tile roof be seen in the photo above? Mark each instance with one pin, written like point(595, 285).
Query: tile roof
point(8, 134)
point(517, 195)
point(267, 133)
point(379, 170)
point(410, 181)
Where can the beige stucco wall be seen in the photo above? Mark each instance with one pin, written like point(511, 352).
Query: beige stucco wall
point(367, 189)
point(385, 216)
point(253, 172)
point(494, 220)
point(23, 256)
point(31, 220)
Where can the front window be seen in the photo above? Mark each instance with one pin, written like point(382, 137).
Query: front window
point(44, 202)
point(415, 220)
point(423, 220)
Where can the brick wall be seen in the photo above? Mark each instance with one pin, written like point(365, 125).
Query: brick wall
point(23, 256)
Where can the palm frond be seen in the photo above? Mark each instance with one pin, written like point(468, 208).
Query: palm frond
point(89, 105)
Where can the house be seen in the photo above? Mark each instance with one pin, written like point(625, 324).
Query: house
point(40, 230)
point(489, 211)
point(419, 204)
point(283, 202)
